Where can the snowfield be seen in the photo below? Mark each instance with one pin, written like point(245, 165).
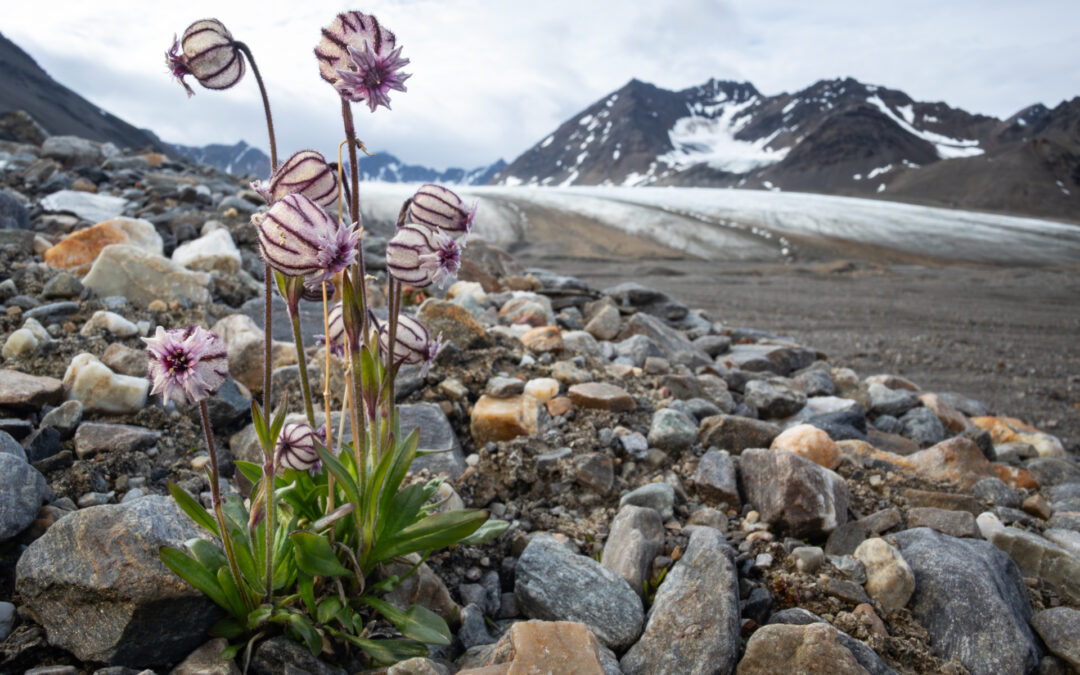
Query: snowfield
point(724, 224)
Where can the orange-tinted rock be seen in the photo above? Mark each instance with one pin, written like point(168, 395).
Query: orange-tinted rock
point(543, 339)
point(454, 322)
point(83, 185)
point(957, 460)
point(1037, 506)
point(813, 648)
point(81, 248)
point(1016, 477)
point(999, 431)
point(810, 442)
point(500, 419)
point(950, 417)
point(560, 405)
point(155, 158)
point(543, 648)
point(893, 382)
point(601, 396)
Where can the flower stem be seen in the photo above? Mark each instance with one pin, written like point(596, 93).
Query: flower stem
point(305, 386)
point(215, 492)
point(269, 529)
point(268, 312)
point(326, 398)
point(359, 271)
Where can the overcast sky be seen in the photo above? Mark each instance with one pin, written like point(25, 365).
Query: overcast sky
point(493, 77)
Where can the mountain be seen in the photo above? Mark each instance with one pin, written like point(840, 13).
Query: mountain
point(836, 136)
point(239, 159)
point(24, 85)
point(244, 160)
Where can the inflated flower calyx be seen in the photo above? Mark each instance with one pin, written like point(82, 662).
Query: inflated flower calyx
point(359, 57)
point(412, 343)
point(441, 209)
point(305, 173)
point(419, 256)
point(186, 365)
point(207, 52)
point(300, 239)
point(295, 447)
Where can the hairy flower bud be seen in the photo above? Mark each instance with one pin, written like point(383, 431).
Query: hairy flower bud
point(441, 209)
point(295, 447)
point(357, 55)
point(420, 256)
point(412, 342)
point(299, 239)
point(305, 173)
point(207, 52)
point(186, 365)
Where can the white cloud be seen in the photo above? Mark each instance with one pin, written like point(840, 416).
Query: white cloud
point(490, 78)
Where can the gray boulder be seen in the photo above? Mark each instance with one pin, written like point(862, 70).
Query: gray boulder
point(636, 538)
point(972, 600)
point(802, 498)
point(97, 585)
point(693, 624)
point(22, 491)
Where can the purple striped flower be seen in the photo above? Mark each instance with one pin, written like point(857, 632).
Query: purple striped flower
point(420, 256)
point(305, 173)
point(206, 51)
point(295, 448)
point(441, 209)
point(299, 239)
point(412, 342)
point(359, 57)
point(186, 365)
point(336, 323)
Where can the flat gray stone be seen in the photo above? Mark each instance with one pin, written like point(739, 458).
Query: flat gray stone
point(1059, 627)
point(693, 624)
point(716, 479)
point(555, 584)
point(635, 539)
point(22, 491)
point(143, 277)
point(92, 207)
point(93, 438)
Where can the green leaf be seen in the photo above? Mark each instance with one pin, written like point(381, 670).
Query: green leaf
point(418, 623)
point(191, 571)
point(261, 430)
point(258, 615)
point(345, 479)
point(433, 532)
point(328, 609)
point(228, 628)
point(307, 632)
point(193, 508)
point(208, 554)
point(316, 556)
point(278, 423)
point(403, 457)
point(385, 652)
point(230, 652)
point(489, 531)
point(402, 510)
point(250, 470)
point(228, 585)
point(305, 583)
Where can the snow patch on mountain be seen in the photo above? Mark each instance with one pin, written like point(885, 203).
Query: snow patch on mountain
point(708, 137)
point(947, 148)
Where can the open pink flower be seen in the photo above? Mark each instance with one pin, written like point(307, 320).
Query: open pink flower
point(359, 57)
point(186, 365)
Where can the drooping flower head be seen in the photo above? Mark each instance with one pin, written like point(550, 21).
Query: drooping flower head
point(420, 256)
point(305, 173)
point(300, 239)
point(441, 209)
point(295, 447)
point(412, 342)
point(186, 365)
point(359, 57)
point(207, 52)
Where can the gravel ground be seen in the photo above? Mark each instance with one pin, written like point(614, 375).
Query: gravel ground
point(1008, 336)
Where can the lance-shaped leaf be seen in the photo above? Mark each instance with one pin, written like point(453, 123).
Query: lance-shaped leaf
point(417, 623)
point(315, 555)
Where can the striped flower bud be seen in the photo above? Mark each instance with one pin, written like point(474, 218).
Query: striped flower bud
point(359, 57)
point(336, 323)
point(295, 447)
point(305, 173)
point(420, 256)
point(412, 342)
point(207, 52)
point(441, 209)
point(299, 239)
